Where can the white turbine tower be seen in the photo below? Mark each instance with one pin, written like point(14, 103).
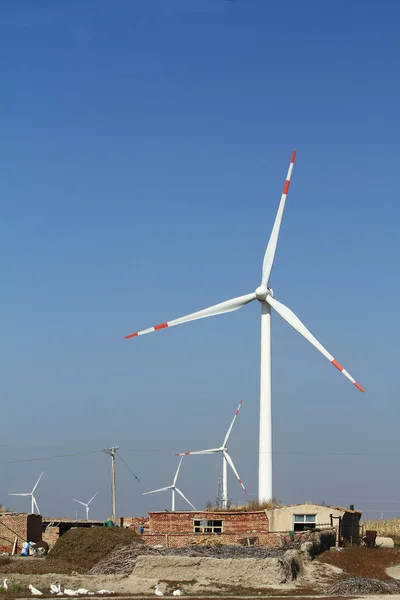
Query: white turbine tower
point(264, 294)
point(86, 504)
point(226, 459)
point(31, 494)
point(173, 488)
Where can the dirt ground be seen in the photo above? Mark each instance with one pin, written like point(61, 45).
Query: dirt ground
point(362, 561)
point(313, 579)
point(78, 550)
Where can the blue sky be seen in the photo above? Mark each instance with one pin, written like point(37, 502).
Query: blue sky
point(144, 145)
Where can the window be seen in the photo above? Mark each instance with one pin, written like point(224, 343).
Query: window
point(303, 522)
point(205, 526)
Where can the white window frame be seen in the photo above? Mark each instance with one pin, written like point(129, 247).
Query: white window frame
point(305, 522)
point(208, 526)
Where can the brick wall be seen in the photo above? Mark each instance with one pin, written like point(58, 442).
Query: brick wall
point(232, 522)
point(50, 535)
point(21, 525)
point(176, 530)
point(179, 540)
point(134, 522)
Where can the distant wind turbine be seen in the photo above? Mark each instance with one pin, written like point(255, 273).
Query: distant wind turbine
point(86, 504)
point(226, 459)
point(173, 488)
point(31, 494)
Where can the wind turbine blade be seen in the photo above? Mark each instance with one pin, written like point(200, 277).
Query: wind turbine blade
point(295, 322)
point(177, 472)
point(212, 311)
point(83, 504)
point(36, 504)
point(92, 498)
point(164, 489)
point(210, 451)
point(273, 240)
point(228, 433)
point(184, 497)
point(36, 484)
point(232, 466)
point(19, 494)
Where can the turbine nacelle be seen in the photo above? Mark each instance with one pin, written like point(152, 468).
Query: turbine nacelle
point(262, 292)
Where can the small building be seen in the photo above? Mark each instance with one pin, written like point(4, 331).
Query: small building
point(308, 517)
point(17, 528)
point(183, 528)
point(264, 528)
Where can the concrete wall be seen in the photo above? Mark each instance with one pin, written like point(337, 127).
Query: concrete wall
point(282, 519)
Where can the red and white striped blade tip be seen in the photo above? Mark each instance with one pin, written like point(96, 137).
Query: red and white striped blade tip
point(336, 364)
point(155, 328)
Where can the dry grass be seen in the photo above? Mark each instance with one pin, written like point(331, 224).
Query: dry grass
point(385, 527)
point(250, 506)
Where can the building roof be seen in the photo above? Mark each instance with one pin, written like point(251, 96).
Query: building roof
point(16, 514)
point(207, 512)
point(57, 520)
point(341, 508)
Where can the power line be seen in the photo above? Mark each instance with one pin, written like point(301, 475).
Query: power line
point(24, 460)
point(128, 467)
point(283, 453)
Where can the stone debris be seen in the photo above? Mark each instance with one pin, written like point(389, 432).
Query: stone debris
point(356, 586)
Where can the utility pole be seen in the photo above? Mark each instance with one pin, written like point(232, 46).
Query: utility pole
point(112, 452)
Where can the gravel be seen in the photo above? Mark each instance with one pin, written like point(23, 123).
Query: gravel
point(355, 586)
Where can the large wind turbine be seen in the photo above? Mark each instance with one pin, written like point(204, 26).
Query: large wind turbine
point(265, 295)
point(86, 504)
point(226, 459)
point(173, 488)
point(31, 494)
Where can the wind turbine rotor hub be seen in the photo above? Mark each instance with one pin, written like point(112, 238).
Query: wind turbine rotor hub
point(262, 292)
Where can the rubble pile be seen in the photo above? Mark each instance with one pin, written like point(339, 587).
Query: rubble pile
point(355, 586)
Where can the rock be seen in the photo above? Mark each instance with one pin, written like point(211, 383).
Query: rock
point(307, 548)
point(384, 542)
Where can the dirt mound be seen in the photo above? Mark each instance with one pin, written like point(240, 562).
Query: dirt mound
point(84, 547)
point(40, 566)
point(355, 586)
point(362, 561)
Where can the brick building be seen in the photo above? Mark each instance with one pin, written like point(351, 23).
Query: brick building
point(17, 528)
point(264, 528)
point(181, 528)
